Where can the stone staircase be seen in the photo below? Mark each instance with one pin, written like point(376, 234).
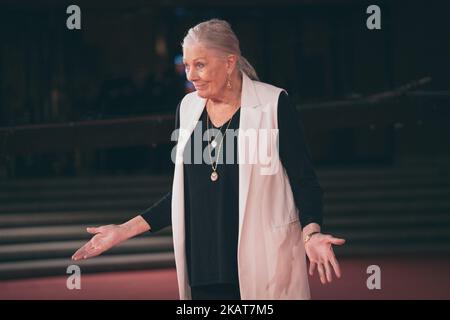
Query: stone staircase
point(377, 210)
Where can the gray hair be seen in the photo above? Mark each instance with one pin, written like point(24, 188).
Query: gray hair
point(218, 34)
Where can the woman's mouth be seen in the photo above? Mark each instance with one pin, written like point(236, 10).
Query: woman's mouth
point(199, 87)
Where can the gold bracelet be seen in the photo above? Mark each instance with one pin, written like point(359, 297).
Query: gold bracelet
point(308, 237)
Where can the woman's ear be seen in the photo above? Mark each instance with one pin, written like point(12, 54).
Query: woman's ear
point(231, 63)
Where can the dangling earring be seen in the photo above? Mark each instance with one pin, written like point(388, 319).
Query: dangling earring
point(228, 82)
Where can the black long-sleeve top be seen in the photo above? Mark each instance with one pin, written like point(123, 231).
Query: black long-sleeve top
point(211, 208)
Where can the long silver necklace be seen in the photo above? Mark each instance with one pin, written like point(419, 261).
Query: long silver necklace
point(214, 174)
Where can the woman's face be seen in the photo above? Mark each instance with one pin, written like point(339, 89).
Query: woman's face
point(206, 69)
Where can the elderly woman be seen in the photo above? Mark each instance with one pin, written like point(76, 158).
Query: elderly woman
point(241, 229)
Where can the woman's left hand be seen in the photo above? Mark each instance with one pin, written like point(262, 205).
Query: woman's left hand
point(321, 255)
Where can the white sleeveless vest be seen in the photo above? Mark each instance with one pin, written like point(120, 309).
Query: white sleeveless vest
point(271, 254)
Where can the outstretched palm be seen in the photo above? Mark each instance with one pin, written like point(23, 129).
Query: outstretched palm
point(105, 237)
point(320, 254)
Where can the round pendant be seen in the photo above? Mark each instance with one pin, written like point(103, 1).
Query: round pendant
point(214, 176)
point(214, 144)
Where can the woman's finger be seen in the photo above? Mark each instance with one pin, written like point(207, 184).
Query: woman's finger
point(335, 265)
point(321, 273)
point(312, 266)
point(92, 252)
point(328, 271)
point(92, 230)
point(80, 252)
point(77, 255)
point(84, 252)
point(337, 241)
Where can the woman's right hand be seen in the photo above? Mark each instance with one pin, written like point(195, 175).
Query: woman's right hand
point(105, 238)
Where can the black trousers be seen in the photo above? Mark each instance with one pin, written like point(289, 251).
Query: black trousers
point(216, 292)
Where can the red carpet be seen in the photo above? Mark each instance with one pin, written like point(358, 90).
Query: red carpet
point(401, 278)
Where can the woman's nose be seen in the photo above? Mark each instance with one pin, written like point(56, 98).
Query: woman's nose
point(191, 75)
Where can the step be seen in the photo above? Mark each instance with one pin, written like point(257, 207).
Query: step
point(63, 218)
point(107, 217)
point(65, 233)
point(372, 250)
point(65, 249)
point(397, 194)
point(54, 233)
point(80, 193)
point(58, 267)
point(328, 174)
point(386, 171)
point(385, 234)
point(95, 204)
point(367, 185)
point(140, 205)
point(94, 181)
point(139, 195)
point(378, 207)
point(390, 219)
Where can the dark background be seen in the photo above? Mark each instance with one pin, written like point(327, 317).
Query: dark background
point(121, 65)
